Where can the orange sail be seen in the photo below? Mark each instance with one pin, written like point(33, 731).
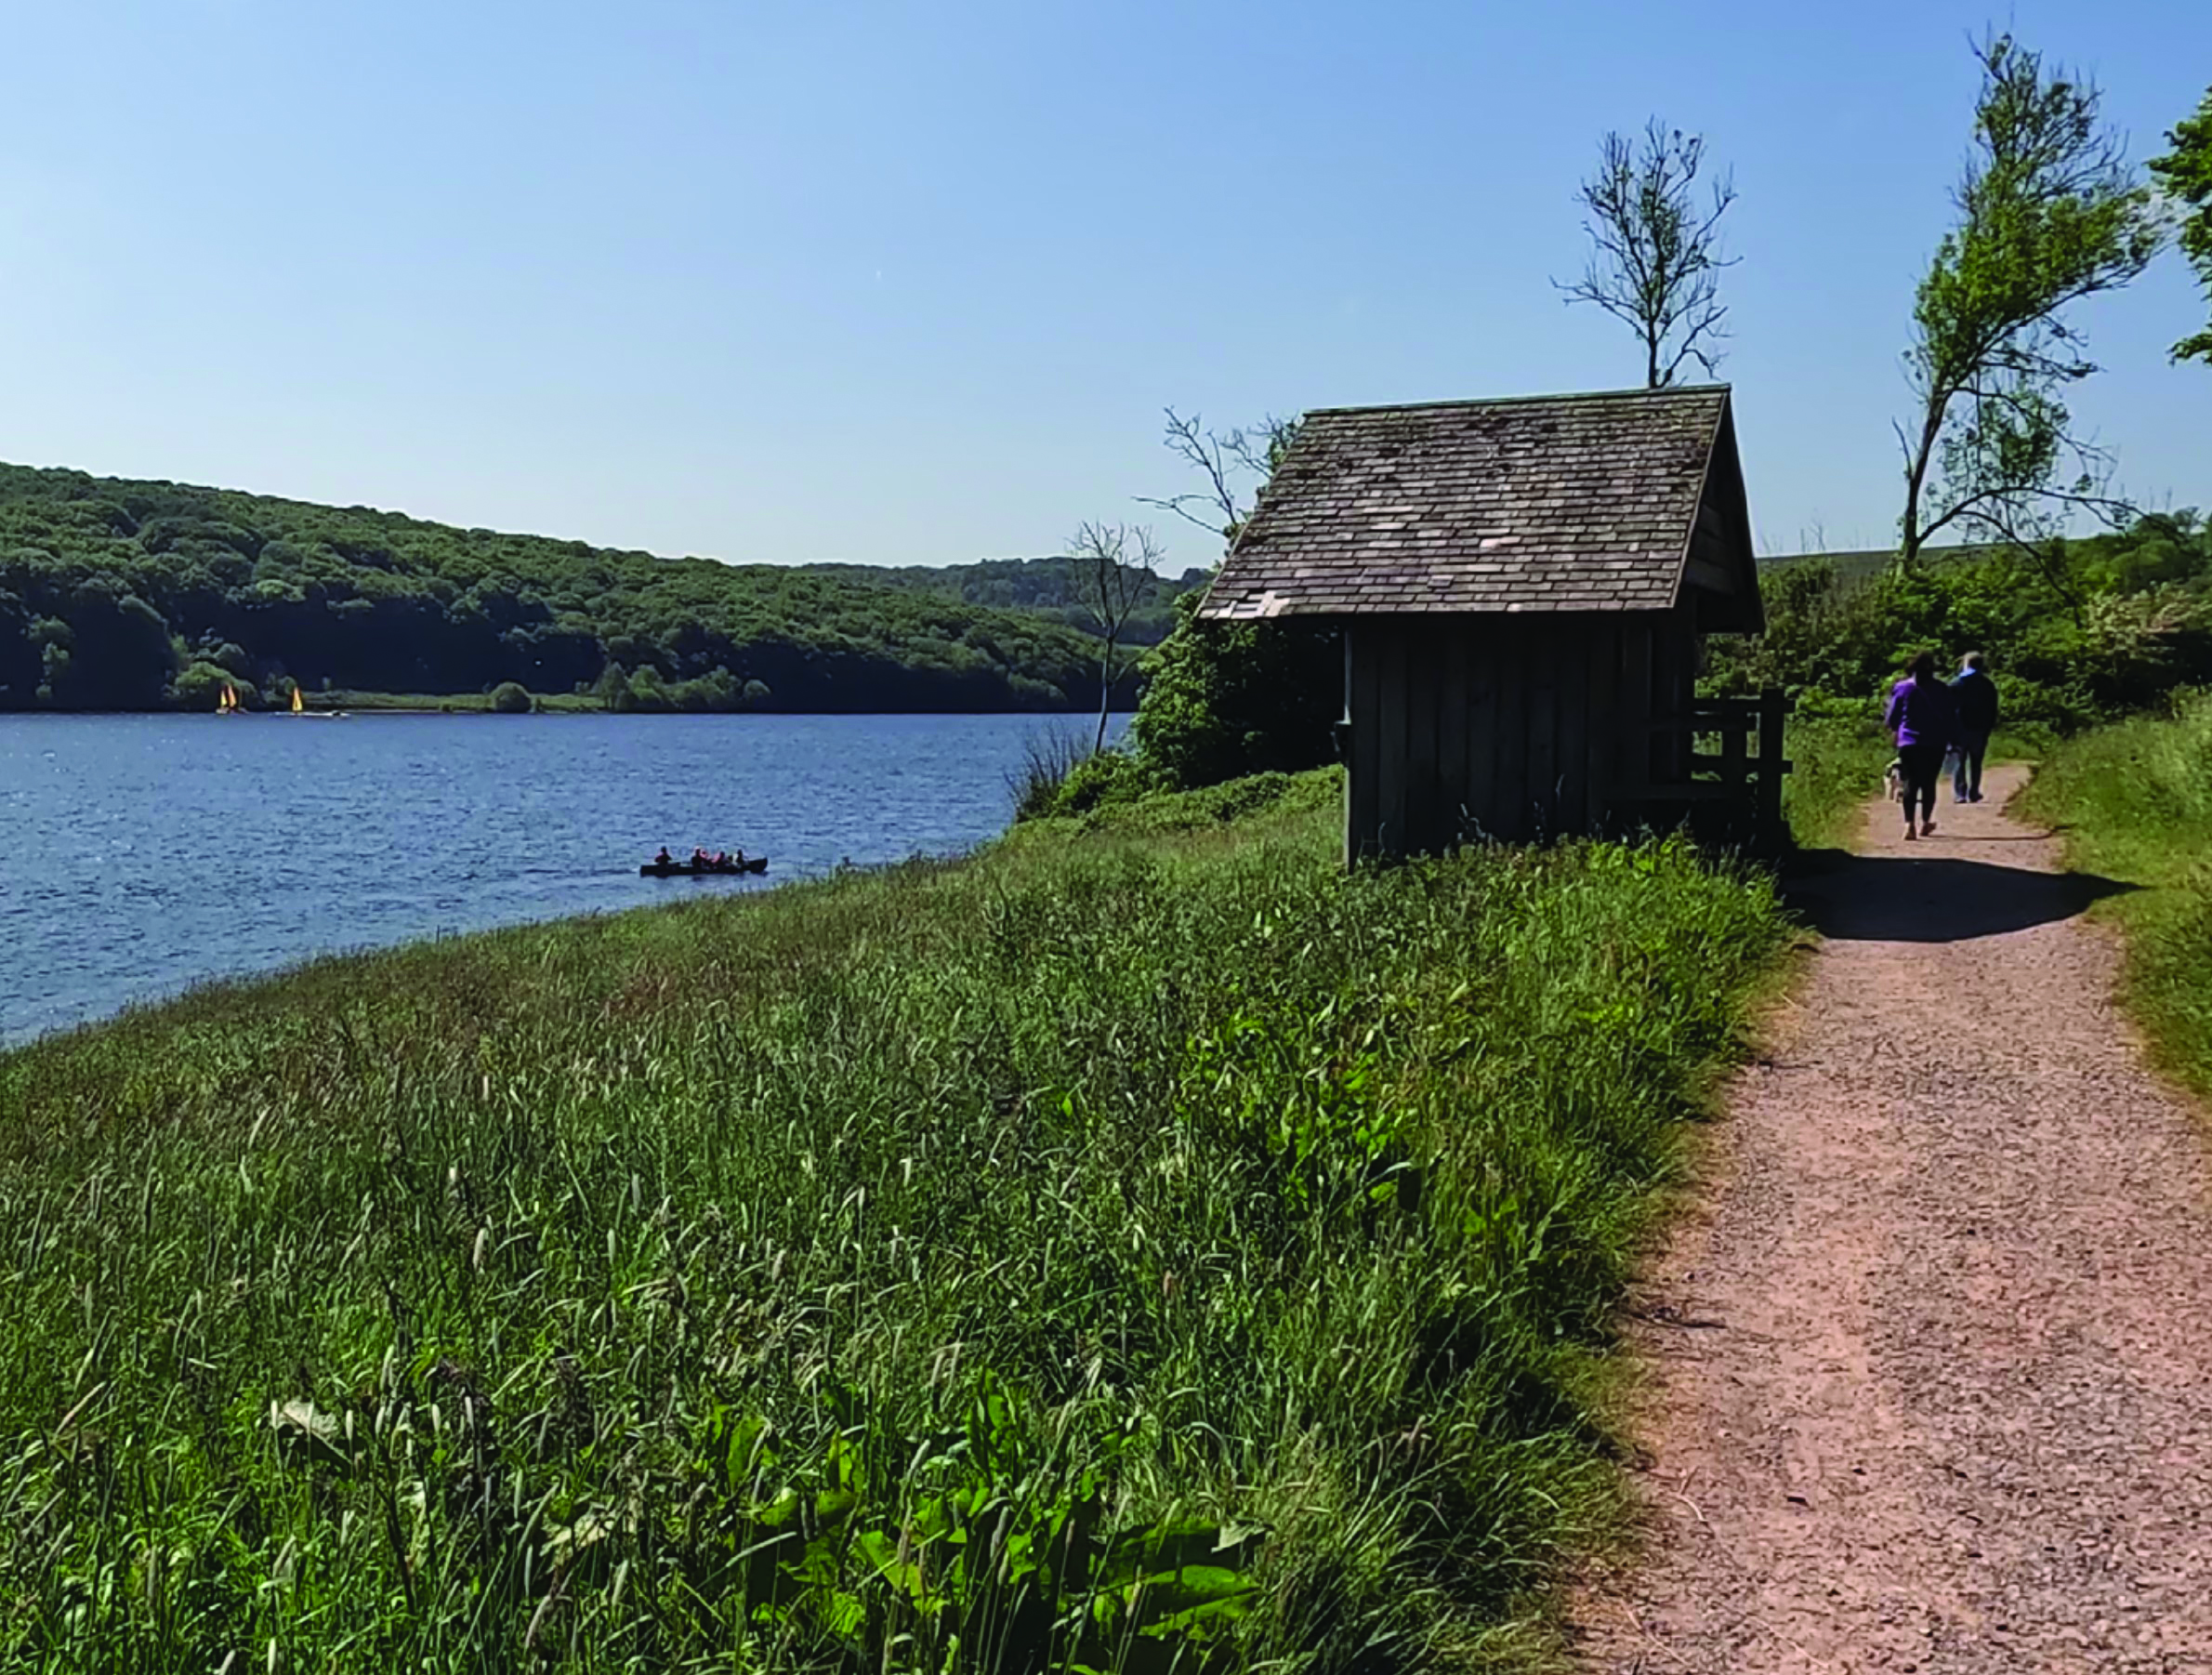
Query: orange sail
point(296, 704)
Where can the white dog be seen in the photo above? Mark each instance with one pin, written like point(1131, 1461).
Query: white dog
point(1893, 779)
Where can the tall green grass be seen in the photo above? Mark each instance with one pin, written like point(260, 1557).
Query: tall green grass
point(1837, 760)
point(1117, 1252)
point(2135, 801)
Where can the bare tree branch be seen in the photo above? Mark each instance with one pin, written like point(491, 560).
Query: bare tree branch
point(1114, 568)
point(1251, 451)
point(1655, 262)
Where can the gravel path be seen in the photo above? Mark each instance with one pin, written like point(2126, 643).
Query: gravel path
point(1930, 1372)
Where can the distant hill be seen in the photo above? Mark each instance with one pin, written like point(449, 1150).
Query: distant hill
point(1855, 567)
point(1047, 584)
point(132, 595)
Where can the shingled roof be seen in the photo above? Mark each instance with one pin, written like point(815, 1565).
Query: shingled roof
point(1543, 503)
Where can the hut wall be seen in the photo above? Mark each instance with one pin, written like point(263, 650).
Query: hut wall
point(1510, 727)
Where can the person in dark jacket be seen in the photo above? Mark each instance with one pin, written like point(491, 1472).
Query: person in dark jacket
point(1925, 719)
point(1975, 695)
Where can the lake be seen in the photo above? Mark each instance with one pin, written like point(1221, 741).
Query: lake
point(139, 854)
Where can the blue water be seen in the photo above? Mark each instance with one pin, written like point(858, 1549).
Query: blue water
point(139, 854)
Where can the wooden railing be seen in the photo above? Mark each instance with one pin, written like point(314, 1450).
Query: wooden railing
point(1730, 794)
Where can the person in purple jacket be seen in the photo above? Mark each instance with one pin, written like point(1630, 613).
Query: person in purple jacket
point(1924, 715)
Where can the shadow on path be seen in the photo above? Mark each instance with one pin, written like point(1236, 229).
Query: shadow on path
point(1941, 898)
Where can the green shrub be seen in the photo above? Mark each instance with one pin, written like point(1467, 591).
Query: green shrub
point(2090, 630)
point(510, 698)
point(200, 684)
point(1106, 776)
point(1225, 700)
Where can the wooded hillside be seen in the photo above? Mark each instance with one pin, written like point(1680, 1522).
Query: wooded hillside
point(1048, 584)
point(128, 595)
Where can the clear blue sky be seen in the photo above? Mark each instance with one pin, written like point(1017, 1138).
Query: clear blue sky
point(911, 284)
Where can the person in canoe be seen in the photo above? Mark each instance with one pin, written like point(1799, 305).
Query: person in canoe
point(663, 858)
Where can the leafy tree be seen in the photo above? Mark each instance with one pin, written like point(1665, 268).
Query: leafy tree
point(510, 698)
point(2049, 213)
point(21, 667)
point(2186, 173)
point(199, 686)
point(114, 650)
point(1656, 256)
point(613, 688)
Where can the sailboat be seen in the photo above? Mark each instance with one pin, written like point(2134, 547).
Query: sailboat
point(226, 701)
point(299, 707)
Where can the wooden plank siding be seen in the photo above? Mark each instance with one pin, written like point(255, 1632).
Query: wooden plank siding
point(1392, 768)
point(1451, 788)
point(1362, 791)
point(1607, 727)
point(1506, 817)
point(1478, 785)
point(1495, 728)
point(1541, 651)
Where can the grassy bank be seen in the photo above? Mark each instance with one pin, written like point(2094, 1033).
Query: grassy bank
point(2136, 803)
point(1116, 1248)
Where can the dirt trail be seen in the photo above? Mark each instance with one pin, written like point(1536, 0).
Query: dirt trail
point(1930, 1375)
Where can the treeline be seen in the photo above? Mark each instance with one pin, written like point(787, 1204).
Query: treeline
point(128, 595)
point(2077, 632)
point(1054, 585)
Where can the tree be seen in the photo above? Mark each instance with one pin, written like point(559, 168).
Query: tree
point(510, 698)
point(1224, 462)
point(1114, 566)
point(613, 688)
point(1656, 259)
point(2186, 174)
point(199, 686)
point(1227, 699)
point(2049, 213)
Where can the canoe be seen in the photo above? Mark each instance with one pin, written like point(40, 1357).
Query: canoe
point(685, 869)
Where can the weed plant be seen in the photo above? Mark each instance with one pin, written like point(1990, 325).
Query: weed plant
point(1049, 755)
point(1112, 1252)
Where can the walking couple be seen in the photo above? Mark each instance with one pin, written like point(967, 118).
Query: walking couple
point(1930, 719)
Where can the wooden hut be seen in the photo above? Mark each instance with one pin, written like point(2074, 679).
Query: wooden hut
point(1522, 585)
